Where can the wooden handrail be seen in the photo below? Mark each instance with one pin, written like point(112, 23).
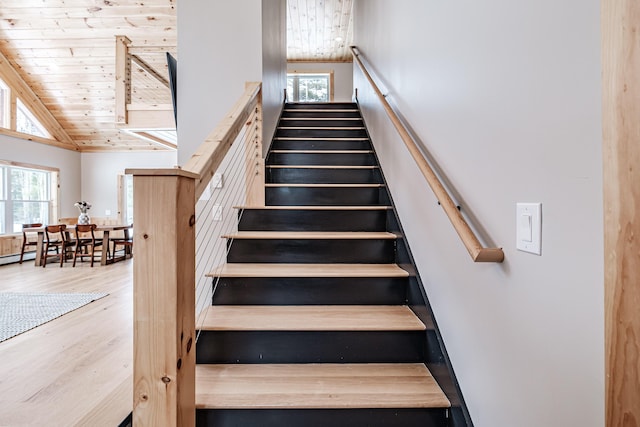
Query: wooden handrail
point(478, 252)
point(209, 155)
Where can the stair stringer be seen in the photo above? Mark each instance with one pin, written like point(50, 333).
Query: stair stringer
point(437, 359)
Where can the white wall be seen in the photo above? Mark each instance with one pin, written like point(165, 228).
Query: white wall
point(342, 76)
point(221, 48)
point(100, 176)
point(67, 161)
point(506, 97)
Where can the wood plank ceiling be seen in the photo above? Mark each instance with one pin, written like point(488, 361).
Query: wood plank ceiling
point(65, 51)
point(319, 30)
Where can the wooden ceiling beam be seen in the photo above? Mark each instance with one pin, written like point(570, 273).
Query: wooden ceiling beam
point(35, 105)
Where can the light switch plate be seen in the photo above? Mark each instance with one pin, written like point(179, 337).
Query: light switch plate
point(529, 227)
point(217, 212)
point(216, 180)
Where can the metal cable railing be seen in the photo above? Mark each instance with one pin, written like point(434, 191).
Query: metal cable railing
point(180, 216)
point(217, 215)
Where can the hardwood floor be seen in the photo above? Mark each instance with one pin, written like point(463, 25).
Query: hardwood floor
point(77, 369)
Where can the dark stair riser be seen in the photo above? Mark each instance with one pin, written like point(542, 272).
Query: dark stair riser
point(412, 417)
point(311, 347)
point(321, 159)
point(320, 251)
point(319, 144)
point(322, 106)
point(323, 176)
point(321, 114)
point(320, 133)
point(321, 122)
point(325, 196)
point(274, 291)
point(312, 220)
point(310, 291)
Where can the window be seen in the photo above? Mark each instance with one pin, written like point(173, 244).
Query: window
point(128, 199)
point(4, 105)
point(17, 116)
point(27, 123)
point(310, 87)
point(3, 202)
point(25, 197)
point(125, 198)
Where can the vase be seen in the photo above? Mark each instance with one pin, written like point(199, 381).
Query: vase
point(83, 219)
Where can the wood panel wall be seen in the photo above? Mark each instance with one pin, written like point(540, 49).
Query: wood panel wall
point(621, 154)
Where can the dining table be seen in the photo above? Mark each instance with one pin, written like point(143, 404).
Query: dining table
point(106, 230)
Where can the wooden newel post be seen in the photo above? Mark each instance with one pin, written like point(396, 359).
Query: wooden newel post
point(164, 297)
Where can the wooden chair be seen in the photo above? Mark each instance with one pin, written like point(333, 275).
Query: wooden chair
point(55, 237)
point(86, 241)
point(25, 240)
point(126, 242)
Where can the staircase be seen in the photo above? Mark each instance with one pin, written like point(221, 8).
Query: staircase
point(313, 322)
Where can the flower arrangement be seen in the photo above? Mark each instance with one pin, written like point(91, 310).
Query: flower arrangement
point(82, 206)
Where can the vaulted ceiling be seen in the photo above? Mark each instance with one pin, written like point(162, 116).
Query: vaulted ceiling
point(65, 51)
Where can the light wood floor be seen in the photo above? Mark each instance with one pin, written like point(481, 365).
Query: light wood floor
point(77, 369)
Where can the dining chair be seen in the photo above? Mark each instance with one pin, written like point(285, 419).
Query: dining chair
point(25, 239)
point(86, 242)
point(55, 237)
point(126, 242)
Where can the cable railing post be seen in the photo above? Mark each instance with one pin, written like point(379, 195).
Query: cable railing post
point(165, 268)
point(164, 297)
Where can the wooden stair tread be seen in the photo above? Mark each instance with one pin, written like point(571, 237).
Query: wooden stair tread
point(319, 167)
point(325, 185)
point(322, 118)
point(319, 208)
point(310, 318)
point(308, 270)
point(321, 110)
point(322, 151)
point(311, 235)
point(319, 138)
point(317, 386)
point(321, 127)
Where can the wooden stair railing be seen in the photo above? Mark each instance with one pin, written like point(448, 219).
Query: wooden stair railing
point(164, 272)
point(478, 252)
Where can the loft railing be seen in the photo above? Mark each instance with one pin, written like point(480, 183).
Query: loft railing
point(153, 122)
point(478, 252)
point(176, 212)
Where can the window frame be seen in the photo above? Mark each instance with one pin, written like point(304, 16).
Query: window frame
point(5, 105)
point(310, 72)
point(22, 108)
point(11, 102)
point(7, 210)
point(125, 198)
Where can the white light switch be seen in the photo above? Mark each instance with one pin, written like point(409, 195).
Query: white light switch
point(107, 212)
point(529, 227)
point(217, 212)
point(525, 227)
point(216, 180)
